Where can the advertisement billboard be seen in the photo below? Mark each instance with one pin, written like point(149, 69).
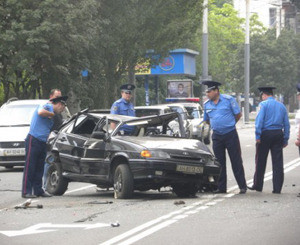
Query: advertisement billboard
point(180, 88)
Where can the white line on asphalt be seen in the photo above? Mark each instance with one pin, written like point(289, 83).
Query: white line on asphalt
point(80, 189)
point(196, 207)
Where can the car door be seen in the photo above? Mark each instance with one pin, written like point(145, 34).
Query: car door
point(70, 143)
point(95, 161)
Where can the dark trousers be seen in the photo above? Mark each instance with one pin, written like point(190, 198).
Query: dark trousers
point(231, 142)
point(34, 166)
point(269, 140)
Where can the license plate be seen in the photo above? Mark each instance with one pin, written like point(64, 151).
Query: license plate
point(14, 152)
point(189, 169)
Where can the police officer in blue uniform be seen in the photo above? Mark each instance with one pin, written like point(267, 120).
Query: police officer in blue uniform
point(223, 112)
point(36, 149)
point(123, 106)
point(272, 131)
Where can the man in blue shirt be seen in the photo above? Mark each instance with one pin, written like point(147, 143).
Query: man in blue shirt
point(123, 106)
point(272, 131)
point(35, 146)
point(223, 112)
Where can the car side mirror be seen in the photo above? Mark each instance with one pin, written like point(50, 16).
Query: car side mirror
point(99, 135)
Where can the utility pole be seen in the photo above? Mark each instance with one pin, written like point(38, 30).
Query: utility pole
point(204, 47)
point(247, 64)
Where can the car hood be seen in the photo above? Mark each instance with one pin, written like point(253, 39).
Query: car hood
point(15, 133)
point(169, 143)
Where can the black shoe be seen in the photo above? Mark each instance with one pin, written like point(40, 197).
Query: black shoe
point(219, 191)
point(253, 188)
point(243, 191)
point(276, 192)
point(29, 196)
point(45, 194)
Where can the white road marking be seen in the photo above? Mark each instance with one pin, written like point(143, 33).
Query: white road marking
point(195, 208)
point(35, 229)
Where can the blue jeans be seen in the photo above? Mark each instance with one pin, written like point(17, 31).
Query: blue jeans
point(46, 167)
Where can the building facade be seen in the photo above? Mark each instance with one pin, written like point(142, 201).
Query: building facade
point(277, 14)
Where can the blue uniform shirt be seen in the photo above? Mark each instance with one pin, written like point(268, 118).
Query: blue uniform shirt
point(221, 115)
point(40, 126)
point(271, 116)
point(123, 107)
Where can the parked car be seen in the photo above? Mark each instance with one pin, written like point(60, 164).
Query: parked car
point(179, 108)
point(167, 108)
point(88, 149)
point(195, 115)
point(15, 118)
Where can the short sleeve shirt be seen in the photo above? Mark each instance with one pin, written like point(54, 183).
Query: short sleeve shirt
point(123, 107)
point(221, 115)
point(40, 126)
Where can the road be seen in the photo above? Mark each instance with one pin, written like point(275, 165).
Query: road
point(85, 215)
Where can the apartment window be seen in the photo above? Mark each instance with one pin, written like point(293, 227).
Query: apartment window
point(272, 14)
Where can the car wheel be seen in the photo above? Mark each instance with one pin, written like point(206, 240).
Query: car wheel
point(123, 182)
point(56, 183)
point(185, 190)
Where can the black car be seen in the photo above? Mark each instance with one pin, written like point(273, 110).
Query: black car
point(92, 147)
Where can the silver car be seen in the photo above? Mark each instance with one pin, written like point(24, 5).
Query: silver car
point(15, 118)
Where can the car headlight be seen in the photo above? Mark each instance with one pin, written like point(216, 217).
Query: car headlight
point(154, 154)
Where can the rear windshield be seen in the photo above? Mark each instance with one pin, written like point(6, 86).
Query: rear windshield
point(13, 115)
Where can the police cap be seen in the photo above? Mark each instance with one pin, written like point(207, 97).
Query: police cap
point(268, 90)
point(211, 85)
point(127, 87)
point(61, 99)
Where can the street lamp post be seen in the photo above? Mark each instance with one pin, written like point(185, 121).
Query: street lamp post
point(247, 64)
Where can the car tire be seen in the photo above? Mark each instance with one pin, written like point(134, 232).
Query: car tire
point(185, 190)
point(123, 182)
point(56, 183)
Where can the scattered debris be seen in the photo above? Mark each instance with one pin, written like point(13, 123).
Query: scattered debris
point(26, 204)
point(293, 185)
point(116, 224)
point(180, 202)
point(100, 202)
point(265, 201)
point(298, 195)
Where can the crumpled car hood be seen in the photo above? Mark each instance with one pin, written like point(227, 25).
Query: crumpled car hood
point(169, 143)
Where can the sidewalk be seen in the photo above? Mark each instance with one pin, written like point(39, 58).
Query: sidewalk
point(251, 124)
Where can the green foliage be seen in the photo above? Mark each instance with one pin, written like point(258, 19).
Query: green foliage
point(46, 44)
point(273, 62)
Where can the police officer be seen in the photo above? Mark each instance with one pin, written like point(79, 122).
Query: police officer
point(272, 130)
point(123, 106)
point(223, 112)
point(35, 145)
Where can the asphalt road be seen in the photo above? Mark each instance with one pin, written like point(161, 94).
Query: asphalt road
point(85, 215)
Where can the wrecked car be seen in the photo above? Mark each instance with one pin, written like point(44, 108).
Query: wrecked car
point(92, 147)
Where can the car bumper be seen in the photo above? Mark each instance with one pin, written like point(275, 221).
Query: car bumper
point(12, 157)
point(174, 172)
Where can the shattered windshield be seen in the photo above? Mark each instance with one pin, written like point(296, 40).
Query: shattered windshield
point(163, 125)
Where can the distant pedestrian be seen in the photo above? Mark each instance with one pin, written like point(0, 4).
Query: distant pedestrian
point(123, 106)
point(223, 112)
point(35, 146)
point(297, 120)
point(272, 130)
